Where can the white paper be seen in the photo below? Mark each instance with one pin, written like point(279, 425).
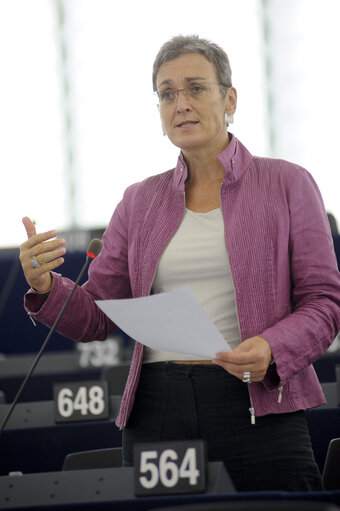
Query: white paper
point(173, 321)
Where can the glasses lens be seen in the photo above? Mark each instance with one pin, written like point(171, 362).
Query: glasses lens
point(198, 91)
point(167, 96)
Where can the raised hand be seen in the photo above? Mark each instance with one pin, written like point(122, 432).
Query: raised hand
point(39, 255)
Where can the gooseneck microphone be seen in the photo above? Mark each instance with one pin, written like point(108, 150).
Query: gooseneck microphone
point(93, 250)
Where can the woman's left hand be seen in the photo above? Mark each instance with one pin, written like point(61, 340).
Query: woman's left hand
point(253, 355)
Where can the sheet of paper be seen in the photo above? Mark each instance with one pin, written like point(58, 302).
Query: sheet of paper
point(173, 321)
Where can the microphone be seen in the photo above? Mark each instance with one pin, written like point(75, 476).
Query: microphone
point(92, 251)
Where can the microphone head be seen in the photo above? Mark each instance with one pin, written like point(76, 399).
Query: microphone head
point(94, 248)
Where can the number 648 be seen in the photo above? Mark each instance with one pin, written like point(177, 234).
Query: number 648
point(86, 401)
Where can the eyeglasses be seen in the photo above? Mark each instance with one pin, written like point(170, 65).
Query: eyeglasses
point(196, 91)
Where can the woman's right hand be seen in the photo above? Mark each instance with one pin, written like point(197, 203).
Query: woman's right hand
point(46, 253)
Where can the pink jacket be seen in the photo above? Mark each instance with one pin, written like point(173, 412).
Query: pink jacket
point(282, 260)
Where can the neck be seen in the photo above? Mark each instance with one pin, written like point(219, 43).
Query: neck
point(203, 165)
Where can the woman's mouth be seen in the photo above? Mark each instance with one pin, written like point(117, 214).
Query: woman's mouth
point(186, 124)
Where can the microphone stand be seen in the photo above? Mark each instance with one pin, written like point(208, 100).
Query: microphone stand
point(42, 349)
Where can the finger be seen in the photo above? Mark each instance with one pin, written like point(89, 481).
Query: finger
point(47, 248)
point(29, 226)
point(238, 362)
point(27, 252)
point(234, 357)
point(34, 240)
point(50, 255)
point(46, 267)
point(238, 370)
point(43, 260)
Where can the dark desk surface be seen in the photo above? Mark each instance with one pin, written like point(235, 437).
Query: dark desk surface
point(325, 366)
point(32, 442)
point(112, 489)
point(54, 367)
point(40, 386)
point(324, 425)
point(43, 449)
point(40, 449)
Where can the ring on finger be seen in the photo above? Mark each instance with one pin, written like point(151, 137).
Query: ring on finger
point(35, 262)
point(246, 377)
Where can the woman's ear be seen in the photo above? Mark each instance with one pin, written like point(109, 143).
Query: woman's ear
point(231, 100)
point(230, 108)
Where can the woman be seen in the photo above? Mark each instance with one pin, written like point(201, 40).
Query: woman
point(250, 236)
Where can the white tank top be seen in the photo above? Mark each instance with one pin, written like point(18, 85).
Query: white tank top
point(197, 257)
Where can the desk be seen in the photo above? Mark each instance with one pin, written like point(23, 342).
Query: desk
point(324, 425)
point(43, 449)
point(112, 489)
point(325, 366)
point(40, 387)
point(39, 449)
point(54, 367)
point(41, 445)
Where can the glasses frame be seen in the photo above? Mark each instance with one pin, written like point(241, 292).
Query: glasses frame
point(184, 90)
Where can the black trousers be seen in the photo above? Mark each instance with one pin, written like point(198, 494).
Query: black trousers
point(180, 401)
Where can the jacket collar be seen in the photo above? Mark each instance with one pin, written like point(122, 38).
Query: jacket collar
point(235, 159)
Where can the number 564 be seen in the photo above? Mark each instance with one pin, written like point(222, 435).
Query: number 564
point(167, 469)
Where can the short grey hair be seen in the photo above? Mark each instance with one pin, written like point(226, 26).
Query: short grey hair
point(182, 45)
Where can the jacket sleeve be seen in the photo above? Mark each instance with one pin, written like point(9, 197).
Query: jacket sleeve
point(108, 278)
point(305, 334)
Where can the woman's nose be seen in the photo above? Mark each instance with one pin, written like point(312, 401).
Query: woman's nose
point(182, 100)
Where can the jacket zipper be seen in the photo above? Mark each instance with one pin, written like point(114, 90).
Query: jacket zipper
point(128, 399)
point(31, 318)
point(251, 409)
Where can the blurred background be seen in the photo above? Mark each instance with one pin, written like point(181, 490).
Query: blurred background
point(78, 122)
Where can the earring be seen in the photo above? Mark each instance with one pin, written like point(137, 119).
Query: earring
point(229, 118)
point(163, 127)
